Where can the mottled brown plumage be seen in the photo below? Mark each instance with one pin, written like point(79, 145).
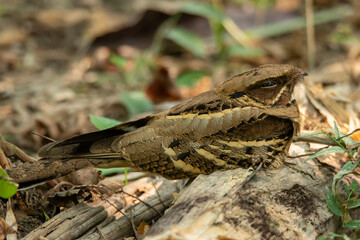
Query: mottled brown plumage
point(247, 120)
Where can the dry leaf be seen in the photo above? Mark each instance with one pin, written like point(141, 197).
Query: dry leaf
point(142, 229)
point(12, 35)
point(203, 85)
point(163, 87)
point(5, 229)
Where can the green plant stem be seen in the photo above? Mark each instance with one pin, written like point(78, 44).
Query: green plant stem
point(287, 26)
point(161, 34)
point(126, 176)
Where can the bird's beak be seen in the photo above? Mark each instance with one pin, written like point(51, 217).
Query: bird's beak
point(304, 74)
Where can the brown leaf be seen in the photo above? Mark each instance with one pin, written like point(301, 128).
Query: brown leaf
point(142, 229)
point(55, 18)
point(12, 35)
point(203, 85)
point(163, 88)
point(5, 229)
point(86, 176)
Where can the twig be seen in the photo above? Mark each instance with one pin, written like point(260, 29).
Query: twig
point(157, 192)
point(11, 150)
point(248, 178)
point(290, 25)
point(40, 135)
point(102, 236)
point(235, 31)
point(31, 186)
point(349, 134)
point(310, 34)
point(106, 200)
point(145, 203)
point(299, 170)
point(301, 155)
point(316, 139)
point(133, 224)
point(307, 154)
point(3, 160)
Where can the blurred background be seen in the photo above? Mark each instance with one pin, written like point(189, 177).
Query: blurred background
point(65, 64)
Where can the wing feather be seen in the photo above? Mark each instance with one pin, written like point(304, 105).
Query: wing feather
point(90, 143)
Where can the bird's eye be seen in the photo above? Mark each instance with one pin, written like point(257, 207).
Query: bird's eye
point(269, 84)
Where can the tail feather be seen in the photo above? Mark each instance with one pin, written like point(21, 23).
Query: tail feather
point(47, 169)
point(63, 157)
point(93, 142)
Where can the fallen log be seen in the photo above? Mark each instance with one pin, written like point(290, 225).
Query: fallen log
point(286, 203)
point(104, 219)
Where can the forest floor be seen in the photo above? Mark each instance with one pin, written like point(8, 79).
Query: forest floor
point(62, 62)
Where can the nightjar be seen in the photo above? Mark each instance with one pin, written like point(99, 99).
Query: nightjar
point(247, 120)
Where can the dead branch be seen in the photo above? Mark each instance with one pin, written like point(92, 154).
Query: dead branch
point(285, 203)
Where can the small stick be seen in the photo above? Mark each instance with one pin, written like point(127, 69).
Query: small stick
point(43, 136)
point(148, 205)
point(248, 178)
point(157, 192)
point(316, 139)
point(11, 150)
point(310, 34)
point(3, 161)
point(133, 224)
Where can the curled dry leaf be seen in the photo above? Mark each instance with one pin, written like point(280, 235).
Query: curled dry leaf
point(142, 229)
point(5, 229)
point(203, 85)
point(86, 176)
point(12, 35)
point(163, 87)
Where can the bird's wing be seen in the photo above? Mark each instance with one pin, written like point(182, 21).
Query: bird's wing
point(208, 115)
point(82, 144)
point(202, 116)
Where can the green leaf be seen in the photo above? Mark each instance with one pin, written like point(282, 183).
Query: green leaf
point(7, 187)
point(353, 185)
point(323, 238)
point(292, 24)
point(353, 224)
point(354, 204)
point(339, 136)
point(102, 123)
point(188, 40)
point(334, 149)
point(347, 189)
point(332, 203)
point(204, 10)
point(336, 131)
point(333, 235)
point(190, 78)
point(47, 218)
point(136, 103)
point(353, 152)
point(310, 134)
point(246, 52)
point(117, 60)
point(347, 140)
point(3, 173)
point(345, 170)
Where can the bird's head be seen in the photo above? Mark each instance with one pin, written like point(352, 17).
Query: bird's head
point(267, 85)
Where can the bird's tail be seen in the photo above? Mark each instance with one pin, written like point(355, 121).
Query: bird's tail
point(47, 169)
